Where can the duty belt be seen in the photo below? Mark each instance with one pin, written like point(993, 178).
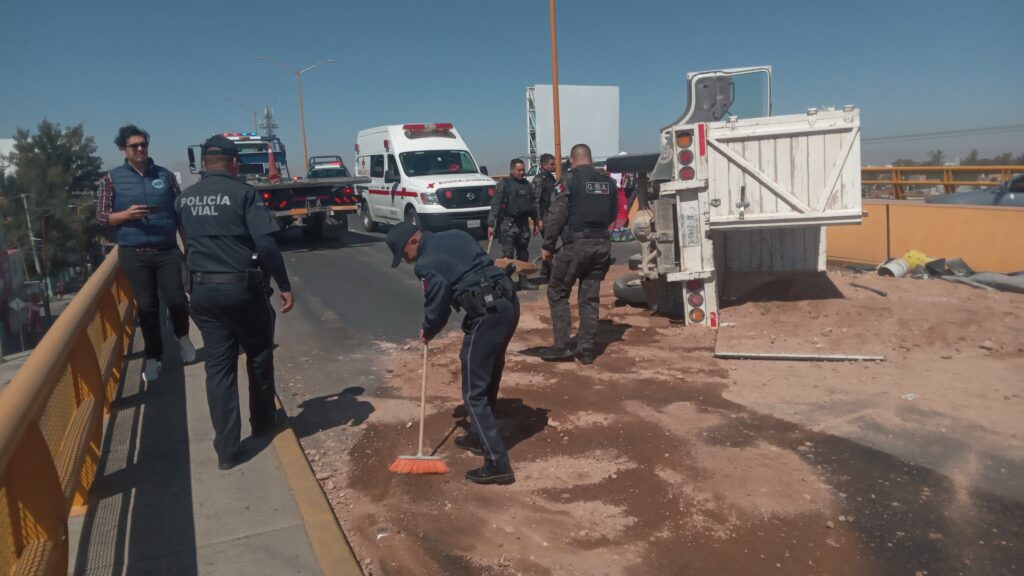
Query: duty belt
point(218, 278)
point(150, 248)
point(600, 234)
point(483, 299)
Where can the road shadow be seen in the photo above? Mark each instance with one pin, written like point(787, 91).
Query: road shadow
point(743, 287)
point(140, 515)
point(608, 333)
point(516, 420)
point(326, 412)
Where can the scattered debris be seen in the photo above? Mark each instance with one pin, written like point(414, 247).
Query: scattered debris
point(869, 289)
point(800, 357)
point(910, 396)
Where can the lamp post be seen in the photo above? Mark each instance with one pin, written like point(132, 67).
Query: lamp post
point(298, 79)
point(255, 121)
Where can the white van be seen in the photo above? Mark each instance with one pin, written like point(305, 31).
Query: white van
point(421, 173)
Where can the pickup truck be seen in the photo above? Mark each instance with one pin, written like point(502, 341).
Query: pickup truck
point(311, 204)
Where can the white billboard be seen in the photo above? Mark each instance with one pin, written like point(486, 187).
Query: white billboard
point(587, 114)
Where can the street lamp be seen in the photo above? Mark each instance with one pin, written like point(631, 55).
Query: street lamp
point(255, 122)
point(298, 79)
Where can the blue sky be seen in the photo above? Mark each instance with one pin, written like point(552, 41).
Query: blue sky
point(911, 66)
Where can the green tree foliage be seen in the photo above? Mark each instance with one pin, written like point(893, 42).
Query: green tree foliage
point(58, 170)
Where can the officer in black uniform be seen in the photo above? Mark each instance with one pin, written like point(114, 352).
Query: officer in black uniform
point(511, 209)
point(225, 222)
point(456, 273)
point(543, 192)
point(584, 207)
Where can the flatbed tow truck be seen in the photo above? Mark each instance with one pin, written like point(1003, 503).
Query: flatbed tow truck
point(311, 204)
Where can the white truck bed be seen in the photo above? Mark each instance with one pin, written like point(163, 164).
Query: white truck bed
point(782, 171)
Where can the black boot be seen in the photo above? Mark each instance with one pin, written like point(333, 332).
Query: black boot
point(491, 474)
point(470, 443)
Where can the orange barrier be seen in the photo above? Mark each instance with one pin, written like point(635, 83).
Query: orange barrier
point(988, 238)
point(51, 422)
point(901, 182)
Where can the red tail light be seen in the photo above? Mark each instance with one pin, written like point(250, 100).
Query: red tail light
point(490, 191)
point(346, 190)
point(702, 137)
point(686, 173)
point(685, 157)
point(694, 285)
point(282, 203)
point(448, 194)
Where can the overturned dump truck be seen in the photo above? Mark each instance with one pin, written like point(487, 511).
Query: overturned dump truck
point(738, 190)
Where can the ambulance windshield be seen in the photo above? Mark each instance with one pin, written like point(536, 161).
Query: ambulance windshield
point(427, 162)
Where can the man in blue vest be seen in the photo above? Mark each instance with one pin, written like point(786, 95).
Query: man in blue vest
point(137, 199)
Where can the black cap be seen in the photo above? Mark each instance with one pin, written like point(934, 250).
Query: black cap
point(219, 146)
point(398, 237)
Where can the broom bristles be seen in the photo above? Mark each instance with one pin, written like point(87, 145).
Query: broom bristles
point(414, 465)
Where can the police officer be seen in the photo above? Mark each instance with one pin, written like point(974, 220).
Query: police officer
point(511, 209)
point(456, 273)
point(584, 207)
point(543, 191)
point(225, 222)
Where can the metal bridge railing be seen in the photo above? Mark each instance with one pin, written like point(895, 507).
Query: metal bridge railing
point(904, 182)
point(51, 422)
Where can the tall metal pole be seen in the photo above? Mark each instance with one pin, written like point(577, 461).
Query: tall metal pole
point(554, 93)
point(302, 124)
point(31, 236)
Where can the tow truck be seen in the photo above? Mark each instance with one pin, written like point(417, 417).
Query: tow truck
point(310, 204)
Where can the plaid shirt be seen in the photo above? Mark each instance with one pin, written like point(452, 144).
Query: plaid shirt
point(105, 197)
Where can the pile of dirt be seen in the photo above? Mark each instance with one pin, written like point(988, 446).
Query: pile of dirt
point(660, 459)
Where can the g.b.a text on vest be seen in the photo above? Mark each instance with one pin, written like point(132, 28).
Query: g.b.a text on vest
point(601, 188)
point(206, 205)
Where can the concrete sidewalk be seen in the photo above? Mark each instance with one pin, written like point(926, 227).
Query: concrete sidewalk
point(160, 505)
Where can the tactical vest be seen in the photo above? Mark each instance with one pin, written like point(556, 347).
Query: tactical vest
point(518, 198)
point(150, 189)
point(592, 200)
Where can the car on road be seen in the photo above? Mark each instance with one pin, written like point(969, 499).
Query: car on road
point(1009, 193)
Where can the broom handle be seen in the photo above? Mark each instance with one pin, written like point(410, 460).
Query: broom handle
point(423, 397)
point(489, 240)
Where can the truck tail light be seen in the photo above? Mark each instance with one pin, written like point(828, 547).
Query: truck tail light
point(266, 196)
point(685, 157)
point(703, 137)
point(695, 301)
point(697, 316)
point(684, 141)
point(687, 173)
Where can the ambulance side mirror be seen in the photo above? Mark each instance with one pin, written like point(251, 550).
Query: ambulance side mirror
point(483, 170)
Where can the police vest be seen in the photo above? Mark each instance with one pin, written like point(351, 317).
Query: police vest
point(592, 200)
point(518, 198)
point(151, 189)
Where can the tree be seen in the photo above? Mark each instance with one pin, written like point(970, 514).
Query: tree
point(53, 167)
point(935, 158)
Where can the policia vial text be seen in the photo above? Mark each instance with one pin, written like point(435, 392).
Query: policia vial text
point(206, 205)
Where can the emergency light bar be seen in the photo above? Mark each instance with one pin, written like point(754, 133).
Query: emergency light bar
point(443, 127)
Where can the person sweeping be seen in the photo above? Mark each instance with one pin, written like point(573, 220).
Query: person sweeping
point(457, 273)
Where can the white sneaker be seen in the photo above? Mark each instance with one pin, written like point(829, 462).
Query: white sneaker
point(188, 351)
point(152, 370)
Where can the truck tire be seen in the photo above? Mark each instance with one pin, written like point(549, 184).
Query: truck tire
point(630, 290)
point(314, 228)
point(412, 217)
point(364, 214)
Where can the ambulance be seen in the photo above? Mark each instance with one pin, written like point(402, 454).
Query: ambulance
point(423, 174)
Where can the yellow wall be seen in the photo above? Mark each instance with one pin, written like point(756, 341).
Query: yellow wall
point(988, 238)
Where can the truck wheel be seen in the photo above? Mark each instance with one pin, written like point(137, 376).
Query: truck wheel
point(364, 213)
point(630, 290)
point(412, 217)
point(314, 228)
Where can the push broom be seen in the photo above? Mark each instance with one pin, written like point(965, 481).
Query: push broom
point(420, 463)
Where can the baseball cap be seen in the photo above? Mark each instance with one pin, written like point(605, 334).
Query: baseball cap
point(219, 146)
point(398, 237)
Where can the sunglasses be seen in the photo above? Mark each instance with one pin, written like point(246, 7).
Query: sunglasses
point(143, 146)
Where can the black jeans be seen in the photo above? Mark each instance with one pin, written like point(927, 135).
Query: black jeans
point(229, 316)
point(150, 274)
point(483, 360)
